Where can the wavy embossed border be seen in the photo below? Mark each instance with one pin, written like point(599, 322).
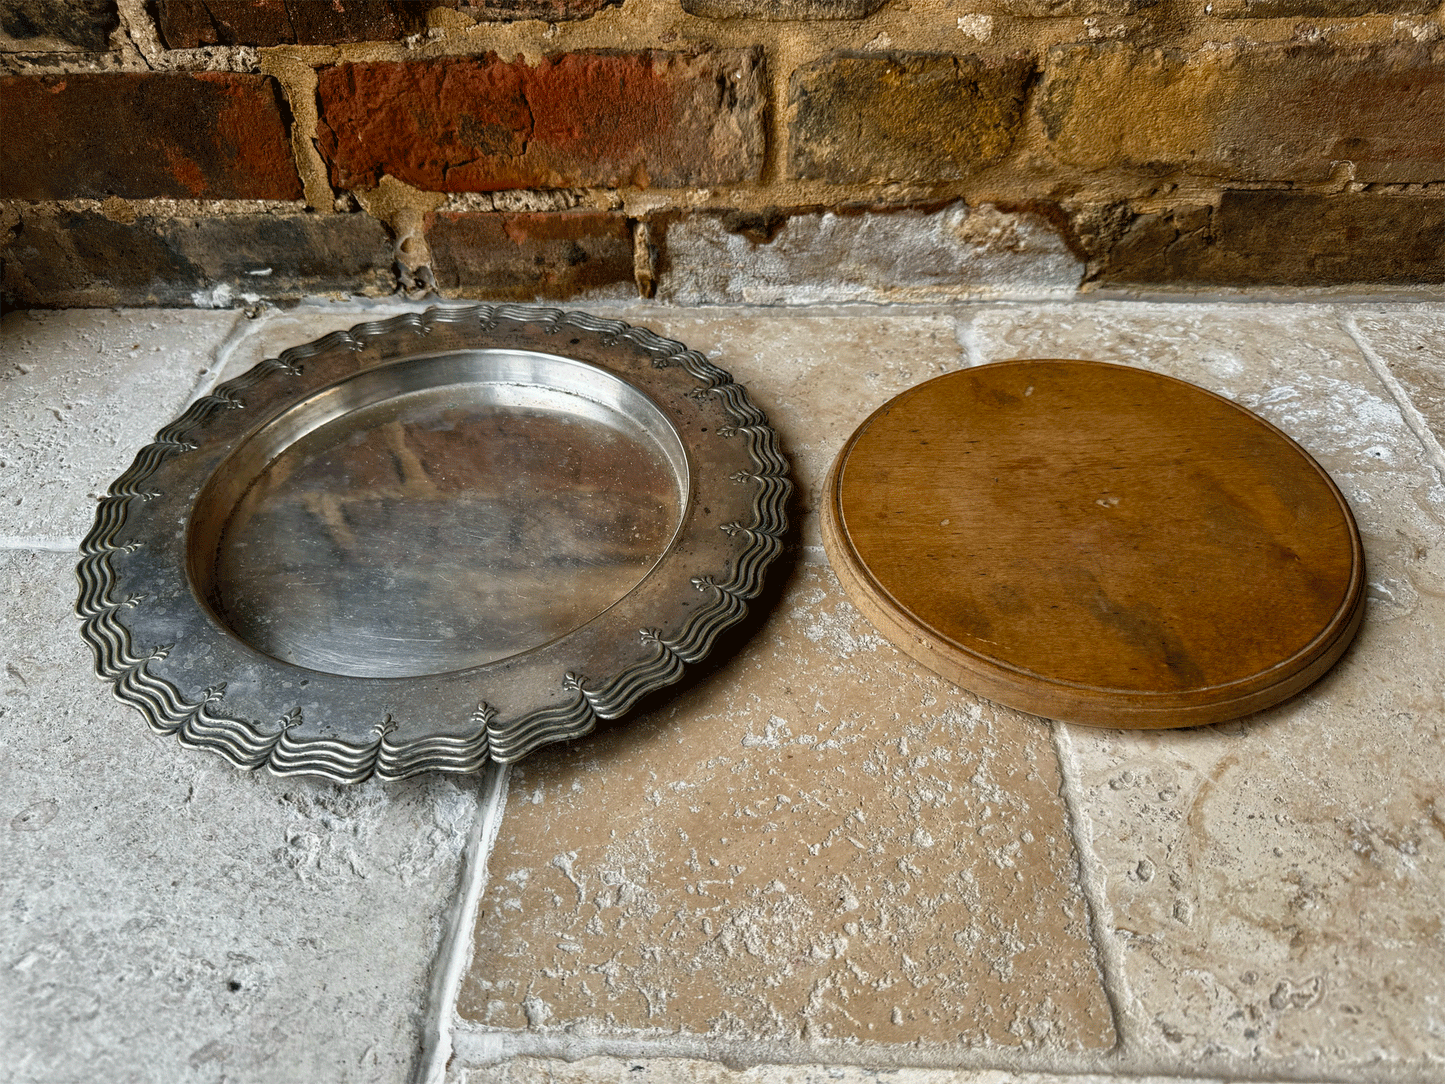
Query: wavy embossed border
point(201, 724)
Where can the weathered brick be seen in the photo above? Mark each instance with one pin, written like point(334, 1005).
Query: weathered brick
point(181, 135)
point(919, 253)
point(525, 256)
point(878, 118)
point(187, 24)
point(1250, 112)
point(552, 11)
point(1319, 9)
point(83, 258)
point(51, 26)
point(1284, 238)
point(1052, 9)
point(779, 10)
point(480, 124)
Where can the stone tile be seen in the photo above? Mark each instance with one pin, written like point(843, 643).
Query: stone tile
point(1272, 888)
point(816, 376)
point(1410, 342)
point(900, 254)
point(81, 391)
point(678, 1070)
point(821, 841)
point(168, 918)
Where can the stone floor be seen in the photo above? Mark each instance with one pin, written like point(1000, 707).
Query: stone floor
point(816, 861)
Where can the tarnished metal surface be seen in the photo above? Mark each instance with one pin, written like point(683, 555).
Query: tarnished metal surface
point(431, 541)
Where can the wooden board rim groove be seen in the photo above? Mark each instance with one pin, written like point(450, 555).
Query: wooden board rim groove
point(1071, 701)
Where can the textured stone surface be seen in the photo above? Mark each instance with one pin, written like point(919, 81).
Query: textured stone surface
point(56, 26)
point(782, 9)
point(914, 254)
point(550, 10)
point(182, 135)
point(478, 124)
point(1327, 9)
point(136, 909)
point(816, 376)
point(80, 393)
point(187, 24)
point(821, 841)
point(1249, 111)
point(84, 258)
point(1050, 9)
point(679, 1070)
point(1273, 887)
point(1284, 238)
point(168, 918)
point(1411, 345)
point(526, 256)
point(903, 117)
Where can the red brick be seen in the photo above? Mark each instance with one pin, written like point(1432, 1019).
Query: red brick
point(525, 256)
point(1289, 112)
point(879, 118)
point(187, 24)
point(203, 135)
point(80, 258)
point(1283, 238)
point(465, 124)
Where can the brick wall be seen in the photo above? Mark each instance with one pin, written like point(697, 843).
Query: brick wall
point(216, 152)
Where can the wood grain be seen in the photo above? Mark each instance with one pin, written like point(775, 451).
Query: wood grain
point(1095, 543)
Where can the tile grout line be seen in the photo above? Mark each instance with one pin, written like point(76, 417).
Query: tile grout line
point(454, 953)
point(1091, 878)
point(478, 1047)
point(1413, 418)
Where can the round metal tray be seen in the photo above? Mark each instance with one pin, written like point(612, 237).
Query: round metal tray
point(432, 541)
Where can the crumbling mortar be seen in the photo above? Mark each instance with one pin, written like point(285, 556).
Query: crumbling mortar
point(291, 68)
point(128, 210)
point(927, 26)
point(135, 38)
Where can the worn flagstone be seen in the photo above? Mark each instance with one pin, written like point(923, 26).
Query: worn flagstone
point(820, 841)
point(1273, 888)
point(170, 918)
point(81, 391)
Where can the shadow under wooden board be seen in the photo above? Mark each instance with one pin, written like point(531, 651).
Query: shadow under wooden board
point(1095, 543)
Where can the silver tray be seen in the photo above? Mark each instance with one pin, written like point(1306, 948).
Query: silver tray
point(432, 541)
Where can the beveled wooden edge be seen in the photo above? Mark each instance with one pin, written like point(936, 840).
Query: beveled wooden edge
point(1074, 702)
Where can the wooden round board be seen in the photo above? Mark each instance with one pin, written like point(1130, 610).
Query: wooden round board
point(1095, 543)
